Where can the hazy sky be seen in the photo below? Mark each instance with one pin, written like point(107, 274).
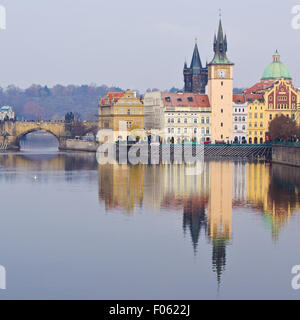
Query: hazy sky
point(139, 44)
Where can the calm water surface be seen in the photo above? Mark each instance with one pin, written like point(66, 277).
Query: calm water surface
point(70, 228)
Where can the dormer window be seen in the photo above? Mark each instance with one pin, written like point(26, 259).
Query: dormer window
point(190, 99)
point(168, 99)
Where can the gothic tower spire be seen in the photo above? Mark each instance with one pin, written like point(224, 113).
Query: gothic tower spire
point(196, 64)
point(220, 47)
point(196, 76)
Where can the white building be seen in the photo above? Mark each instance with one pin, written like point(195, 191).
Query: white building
point(6, 113)
point(178, 117)
point(187, 117)
point(240, 108)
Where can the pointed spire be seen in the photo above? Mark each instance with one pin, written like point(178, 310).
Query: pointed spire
point(196, 64)
point(220, 32)
point(220, 46)
point(225, 43)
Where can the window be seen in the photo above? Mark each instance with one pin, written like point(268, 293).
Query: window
point(195, 130)
point(168, 99)
point(255, 124)
point(207, 120)
point(250, 115)
point(202, 120)
point(222, 124)
point(179, 120)
point(261, 115)
point(235, 127)
point(255, 115)
point(244, 127)
point(235, 119)
point(202, 131)
point(190, 99)
point(222, 97)
point(221, 110)
point(261, 125)
point(185, 120)
point(185, 130)
point(128, 111)
point(207, 130)
point(222, 83)
point(244, 119)
point(195, 120)
point(178, 130)
point(270, 117)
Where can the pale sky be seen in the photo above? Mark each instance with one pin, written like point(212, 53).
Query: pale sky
point(138, 44)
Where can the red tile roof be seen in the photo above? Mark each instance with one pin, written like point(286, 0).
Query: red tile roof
point(112, 97)
point(239, 98)
point(258, 87)
point(185, 100)
point(253, 97)
point(242, 98)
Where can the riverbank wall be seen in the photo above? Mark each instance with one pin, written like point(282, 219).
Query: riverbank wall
point(78, 145)
point(286, 154)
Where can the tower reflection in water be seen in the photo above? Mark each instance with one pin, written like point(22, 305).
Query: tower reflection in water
point(208, 199)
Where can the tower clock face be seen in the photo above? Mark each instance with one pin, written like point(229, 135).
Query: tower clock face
point(222, 73)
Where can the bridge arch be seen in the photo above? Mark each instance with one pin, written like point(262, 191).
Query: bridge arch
point(24, 128)
point(25, 133)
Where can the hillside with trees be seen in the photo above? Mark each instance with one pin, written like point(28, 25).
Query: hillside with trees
point(38, 102)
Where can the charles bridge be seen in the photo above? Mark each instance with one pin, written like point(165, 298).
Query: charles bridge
point(11, 132)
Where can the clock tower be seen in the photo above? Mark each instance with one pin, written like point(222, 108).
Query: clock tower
point(220, 90)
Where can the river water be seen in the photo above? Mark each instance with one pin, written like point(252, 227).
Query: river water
point(73, 229)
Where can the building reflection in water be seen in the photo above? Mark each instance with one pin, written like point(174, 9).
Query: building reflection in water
point(206, 200)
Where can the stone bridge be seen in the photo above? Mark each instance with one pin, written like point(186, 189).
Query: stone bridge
point(11, 132)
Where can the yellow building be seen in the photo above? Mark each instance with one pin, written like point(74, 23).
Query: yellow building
point(256, 128)
point(121, 112)
point(270, 98)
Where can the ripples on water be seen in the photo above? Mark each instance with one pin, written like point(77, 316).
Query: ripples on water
point(71, 228)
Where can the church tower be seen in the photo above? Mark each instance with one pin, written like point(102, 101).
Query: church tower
point(220, 90)
point(195, 77)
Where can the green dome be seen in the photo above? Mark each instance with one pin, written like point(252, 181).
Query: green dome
point(276, 69)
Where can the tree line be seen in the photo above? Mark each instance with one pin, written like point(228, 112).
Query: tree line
point(41, 102)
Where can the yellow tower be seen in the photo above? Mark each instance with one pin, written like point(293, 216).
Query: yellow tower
point(220, 90)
